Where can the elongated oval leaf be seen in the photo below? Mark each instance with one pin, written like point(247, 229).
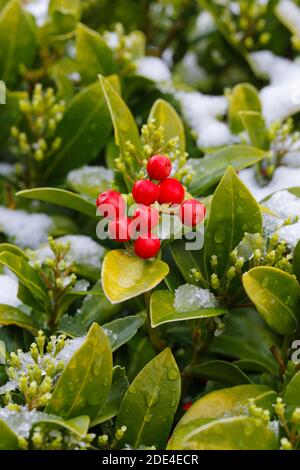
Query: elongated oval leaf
point(83, 130)
point(14, 316)
point(84, 384)
point(292, 393)
point(162, 310)
point(244, 97)
point(150, 403)
point(60, 197)
point(275, 295)
point(125, 276)
point(225, 373)
point(18, 41)
point(233, 212)
point(238, 433)
point(210, 169)
point(256, 127)
point(8, 438)
point(166, 116)
point(121, 330)
point(93, 55)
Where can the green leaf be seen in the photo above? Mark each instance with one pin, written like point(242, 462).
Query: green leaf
point(210, 169)
point(246, 337)
point(124, 124)
point(93, 55)
point(121, 330)
point(238, 433)
point(14, 249)
point(119, 387)
point(296, 260)
point(83, 130)
point(231, 401)
point(275, 294)
point(60, 197)
point(185, 260)
point(162, 310)
point(291, 395)
point(166, 116)
point(28, 277)
point(125, 276)
point(150, 403)
point(18, 42)
point(8, 439)
point(224, 373)
point(14, 316)
point(244, 97)
point(84, 384)
point(233, 212)
point(256, 127)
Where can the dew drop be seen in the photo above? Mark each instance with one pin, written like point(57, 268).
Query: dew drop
point(219, 234)
point(172, 374)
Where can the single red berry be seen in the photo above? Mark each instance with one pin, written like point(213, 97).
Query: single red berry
point(110, 204)
point(159, 167)
point(171, 191)
point(118, 229)
point(186, 406)
point(144, 219)
point(192, 212)
point(145, 192)
point(147, 246)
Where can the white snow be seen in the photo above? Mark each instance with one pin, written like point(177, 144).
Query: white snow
point(190, 70)
point(90, 178)
point(281, 98)
point(153, 68)
point(83, 250)
point(205, 23)
point(9, 290)
point(292, 159)
point(69, 350)
point(24, 229)
point(289, 14)
point(290, 234)
point(22, 421)
point(189, 298)
point(6, 169)
point(202, 113)
point(283, 178)
point(38, 8)
point(285, 204)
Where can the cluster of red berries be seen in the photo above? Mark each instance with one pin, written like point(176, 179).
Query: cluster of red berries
point(145, 218)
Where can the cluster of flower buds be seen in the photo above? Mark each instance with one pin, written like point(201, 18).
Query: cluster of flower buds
point(159, 188)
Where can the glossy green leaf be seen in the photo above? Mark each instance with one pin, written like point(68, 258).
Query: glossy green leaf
point(119, 387)
point(244, 97)
point(229, 402)
point(210, 169)
point(254, 124)
point(141, 352)
point(14, 249)
point(238, 433)
point(233, 212)
point(18, 41)
point(84, 384)
point(296, 260)
point(150, 403)
point(162, 310)
point(60, 197)
point(247, 337)
point(121, 330)
point(222, 372)
point(185, 260)
point(8, 439)
point(125, 276)
point(27, 276)
point(124, 124)
point(14, 316)
point(83, 130)
point(275, 294)
point(292, 393)
point(166, 116)
point(93, 55)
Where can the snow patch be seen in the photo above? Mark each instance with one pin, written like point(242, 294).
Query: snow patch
point(189, 298)
point(9, 291)
point(24, 229)
point(153, 68)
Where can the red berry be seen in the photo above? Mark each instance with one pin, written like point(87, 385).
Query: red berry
point(110, 204)
point(159, 167)
point(119, 229)
point(144, 219)
point(145, 192)
point(147, 246)
point(171, 191)
point(192, 212)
